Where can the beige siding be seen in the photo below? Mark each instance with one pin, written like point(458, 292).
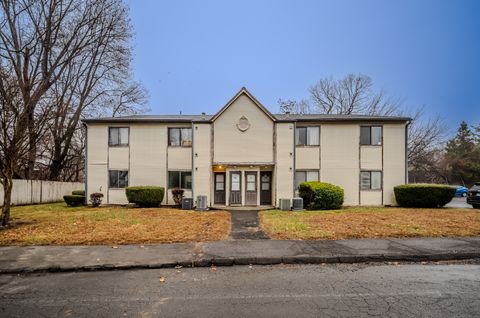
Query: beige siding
point(371, 158)
point(202, 169)
point(393, 159)
point(117, 196)
point(180, 158)
point(307, 158)
point(148, 155)
point(235, 146)
point(283, 175)
point(340, 166)
point(118, 158)
point(371, 197)
point(97, 136)
point(97, 180)
point(97, 152)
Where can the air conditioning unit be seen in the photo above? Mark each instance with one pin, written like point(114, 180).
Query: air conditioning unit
point(297, 204)
point(187, 203)
point(285, 204)
point(202, 203)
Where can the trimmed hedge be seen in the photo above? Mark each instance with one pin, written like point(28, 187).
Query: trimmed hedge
point(78, 192)
point(145, 196)
point(74, 200)
point(320, 195)
point(423, 195)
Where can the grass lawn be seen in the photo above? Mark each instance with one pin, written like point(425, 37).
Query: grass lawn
point(370, 222)
point(57, 224)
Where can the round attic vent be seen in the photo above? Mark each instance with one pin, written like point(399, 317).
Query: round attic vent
point(243, 123)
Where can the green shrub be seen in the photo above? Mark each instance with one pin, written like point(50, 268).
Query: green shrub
point(145, 196)
point(78, 192)
point(320, 195)
point(423, 195)
point(74, 200)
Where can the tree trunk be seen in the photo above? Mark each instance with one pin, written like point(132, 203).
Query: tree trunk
point(7, 200)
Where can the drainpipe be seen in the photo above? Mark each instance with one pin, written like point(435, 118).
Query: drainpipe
point(85, 126)
point(406, 151)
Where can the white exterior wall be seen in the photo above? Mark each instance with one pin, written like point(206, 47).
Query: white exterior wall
point(394, 160)
point(284, 165)
point(202, 161)
point(250, 146)
point(339, 158)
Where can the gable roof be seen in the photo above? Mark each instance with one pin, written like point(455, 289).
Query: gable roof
point(242, 91)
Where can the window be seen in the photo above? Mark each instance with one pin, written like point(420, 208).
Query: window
point(371, 135)
point(180, 179)
point(371, 180)
point(118, 136)
point(308, 136)
point(219, 182)
point(303, 176)
point(251, 182)
point(118, 179)
point(180, 137)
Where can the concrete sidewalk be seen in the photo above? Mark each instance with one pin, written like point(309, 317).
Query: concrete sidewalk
point(16, 259)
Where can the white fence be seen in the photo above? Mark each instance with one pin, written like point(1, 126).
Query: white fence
point(37, 191)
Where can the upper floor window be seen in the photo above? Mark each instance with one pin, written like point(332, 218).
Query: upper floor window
point(180, 137)
point(371, 135)
point(117, 179)
point(118, 136)
point(371, 180)
point(308, 136)
point(180, 179)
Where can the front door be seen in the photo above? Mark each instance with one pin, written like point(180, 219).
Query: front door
point(235, 187)
point(219, 196)
point(251, 188)
point(266, 188)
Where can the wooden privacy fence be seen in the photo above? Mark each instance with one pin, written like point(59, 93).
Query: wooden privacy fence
point(38, 191)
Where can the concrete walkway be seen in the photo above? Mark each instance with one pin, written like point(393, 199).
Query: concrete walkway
point(15, 259)
point(246, 226)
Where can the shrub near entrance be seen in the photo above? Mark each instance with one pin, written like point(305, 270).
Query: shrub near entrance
point(320, 195)
point(145, 196)
point(423, 195)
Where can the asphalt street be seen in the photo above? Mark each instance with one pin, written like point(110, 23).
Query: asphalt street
point(355, 290)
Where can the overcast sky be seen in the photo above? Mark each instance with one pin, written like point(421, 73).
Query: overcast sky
point(193, 56)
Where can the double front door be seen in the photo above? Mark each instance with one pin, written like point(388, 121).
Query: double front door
point(250, 190)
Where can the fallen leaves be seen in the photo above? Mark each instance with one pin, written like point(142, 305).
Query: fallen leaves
point(56, 224)
point(162, 279)
point(371, 222)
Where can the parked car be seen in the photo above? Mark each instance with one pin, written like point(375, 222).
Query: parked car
point(460, 191)
point(473, 196)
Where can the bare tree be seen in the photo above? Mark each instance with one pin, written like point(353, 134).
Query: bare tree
point(356, 94)
point(353, 94)
point(38, 41)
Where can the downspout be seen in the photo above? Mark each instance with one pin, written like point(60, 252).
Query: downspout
point(406, 151)
point(294, 155)
point(85, 126)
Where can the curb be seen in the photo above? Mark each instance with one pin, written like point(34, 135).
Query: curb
point(230, 261)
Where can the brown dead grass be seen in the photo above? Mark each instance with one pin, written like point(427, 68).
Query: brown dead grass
point(364, 222)
point(57, 224)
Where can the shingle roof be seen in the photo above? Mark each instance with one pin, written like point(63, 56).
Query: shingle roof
point(278, 117)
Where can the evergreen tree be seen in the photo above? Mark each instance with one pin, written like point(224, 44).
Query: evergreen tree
point(463, 156)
